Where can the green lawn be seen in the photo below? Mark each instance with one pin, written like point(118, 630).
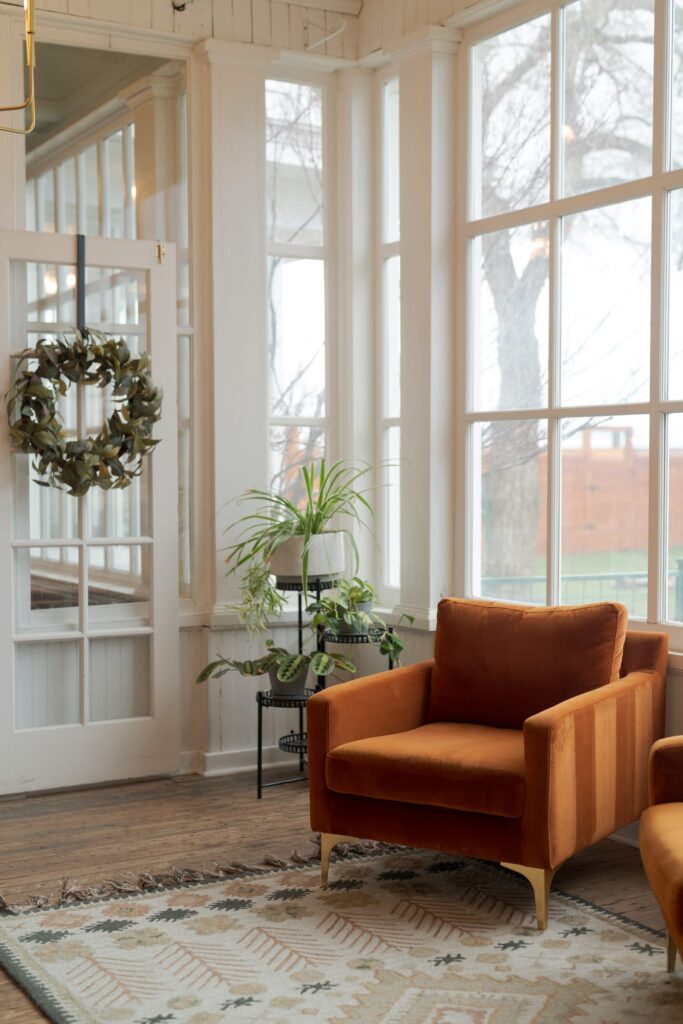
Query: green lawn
point(609, 576)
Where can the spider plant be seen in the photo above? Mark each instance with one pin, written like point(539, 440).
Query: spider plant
point(332, 493)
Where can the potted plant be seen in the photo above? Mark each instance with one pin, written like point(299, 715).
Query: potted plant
point(350, 611)
point(350, 606)
point(287, 671)
point(290, 541)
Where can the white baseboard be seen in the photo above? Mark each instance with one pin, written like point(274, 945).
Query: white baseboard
point(231, 762)
point(628, 835)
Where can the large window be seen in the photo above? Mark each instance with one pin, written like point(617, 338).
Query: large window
point(389, 369)
point(575, 380)
point(297, 317)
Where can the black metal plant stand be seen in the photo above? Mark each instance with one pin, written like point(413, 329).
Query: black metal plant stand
point(292, 742)
point(297, 742)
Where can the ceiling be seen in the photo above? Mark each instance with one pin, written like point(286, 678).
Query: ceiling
point(71, 82)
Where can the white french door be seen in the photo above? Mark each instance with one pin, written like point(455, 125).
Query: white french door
point(89, 689)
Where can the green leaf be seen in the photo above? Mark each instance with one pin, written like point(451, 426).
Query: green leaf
point(290, 666)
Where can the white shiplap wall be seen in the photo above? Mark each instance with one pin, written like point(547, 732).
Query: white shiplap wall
point(263, 22)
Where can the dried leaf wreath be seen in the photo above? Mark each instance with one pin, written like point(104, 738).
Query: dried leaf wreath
point(115, 456)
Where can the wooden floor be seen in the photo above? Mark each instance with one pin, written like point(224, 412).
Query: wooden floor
point(91, 835)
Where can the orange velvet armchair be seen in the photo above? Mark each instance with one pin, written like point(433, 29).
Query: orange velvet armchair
point(661, 838)
point(525, 739)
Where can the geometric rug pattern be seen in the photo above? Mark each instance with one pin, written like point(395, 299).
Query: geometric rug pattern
point(399, 938)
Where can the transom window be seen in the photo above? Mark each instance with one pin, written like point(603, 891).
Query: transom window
point(574, 412)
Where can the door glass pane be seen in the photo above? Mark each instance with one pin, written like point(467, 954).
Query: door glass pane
point(674, 611)
point(40, 513)
point(294, 162)
point(510, 343)
point(118, 585)
point(608, 61)
point(42, 293)
point(296, 306)
point(512, 118)
point(605, 468)
point(46, 588)
point(675, 382)
point(509, 514)
point(119, 678)
point(291, 448)
point(123, 513)
point(115, 297)
point(47, 684)
point(606, 305)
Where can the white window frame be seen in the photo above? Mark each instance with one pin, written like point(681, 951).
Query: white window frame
point(657, 185)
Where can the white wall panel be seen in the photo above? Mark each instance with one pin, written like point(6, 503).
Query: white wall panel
point(47, 684)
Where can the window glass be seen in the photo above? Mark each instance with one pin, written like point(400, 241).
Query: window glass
point(509, 470)
point(608, 75)
point(511, 118)
point(510, 326)
point(294, 162)
point(606, 305)
point(392, 194)
point(605, 467)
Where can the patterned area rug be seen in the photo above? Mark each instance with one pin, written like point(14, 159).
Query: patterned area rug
point(400, 937)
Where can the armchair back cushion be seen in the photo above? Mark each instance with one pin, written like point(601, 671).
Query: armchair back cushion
point(498, 664)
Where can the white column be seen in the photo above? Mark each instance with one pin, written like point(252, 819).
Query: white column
point(353, 364)
point(427, 128)
point(234, 222)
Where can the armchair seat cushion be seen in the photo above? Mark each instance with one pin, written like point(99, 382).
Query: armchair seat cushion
point(463, 767)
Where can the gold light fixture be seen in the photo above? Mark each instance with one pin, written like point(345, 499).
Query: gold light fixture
point(30, 101)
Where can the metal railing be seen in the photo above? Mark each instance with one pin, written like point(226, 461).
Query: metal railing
point(629, 588)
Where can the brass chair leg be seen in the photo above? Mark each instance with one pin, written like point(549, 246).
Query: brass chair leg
point(328, 840)
point(541, 880)
point(671, 952)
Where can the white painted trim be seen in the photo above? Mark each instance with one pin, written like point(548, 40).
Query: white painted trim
point(431, 39)
point(72, 30)
point(234, 762)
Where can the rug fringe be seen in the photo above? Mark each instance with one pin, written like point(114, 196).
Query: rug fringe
point(72, 891)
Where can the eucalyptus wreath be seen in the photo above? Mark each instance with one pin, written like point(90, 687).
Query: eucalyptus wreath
point(115, 455)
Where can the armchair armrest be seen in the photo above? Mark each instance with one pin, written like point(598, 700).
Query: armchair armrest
point(372, 706)
point(376, 705)
point(586, 764)
point(666, 771)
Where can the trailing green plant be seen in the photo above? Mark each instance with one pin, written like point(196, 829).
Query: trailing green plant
point(320, 663)
point(334, 496)
point(260, 602)
point(114, 456)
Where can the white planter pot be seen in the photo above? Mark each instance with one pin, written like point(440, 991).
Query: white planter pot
point(292, 688)
point(326, 558)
